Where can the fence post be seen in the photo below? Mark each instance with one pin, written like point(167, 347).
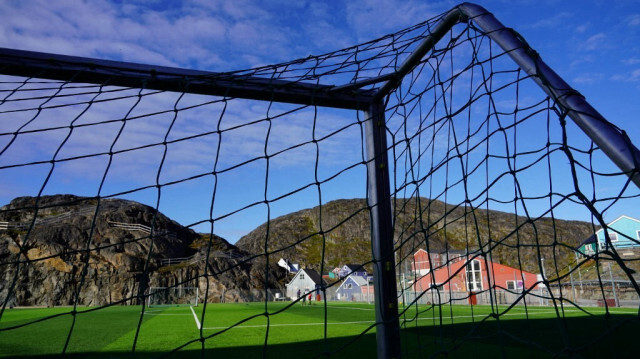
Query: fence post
point(379, 200)
point(573, 289)
point(613, 286)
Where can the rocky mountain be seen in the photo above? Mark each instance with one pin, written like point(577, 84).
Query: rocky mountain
point(106, 251)
point(340, 230)
point(109, 251)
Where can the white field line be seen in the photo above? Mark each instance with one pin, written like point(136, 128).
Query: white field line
point(196, 318)
point(339, 306)
point(294, 324)
point(161, 312)
point(372, 321)
point(480, 316)
point(534, 312)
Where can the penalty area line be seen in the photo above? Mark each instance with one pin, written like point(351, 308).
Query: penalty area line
point(291, 325)
point(195, 317)
point(345, 307)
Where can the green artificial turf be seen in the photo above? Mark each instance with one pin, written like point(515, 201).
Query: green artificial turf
point(282, 330)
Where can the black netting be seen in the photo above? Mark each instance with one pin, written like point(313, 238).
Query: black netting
point(513, 232)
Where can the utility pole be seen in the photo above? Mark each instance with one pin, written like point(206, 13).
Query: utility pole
point(613, 286)
point(573, 289)
point(580, 277)
point(544, 278)
point(404, 292)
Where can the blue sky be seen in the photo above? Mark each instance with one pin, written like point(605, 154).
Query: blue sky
point(593, 45)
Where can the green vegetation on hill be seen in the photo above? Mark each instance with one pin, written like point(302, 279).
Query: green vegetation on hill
point(339, 232)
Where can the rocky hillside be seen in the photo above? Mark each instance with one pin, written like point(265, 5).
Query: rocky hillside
point(429, 224)
point(109, 257)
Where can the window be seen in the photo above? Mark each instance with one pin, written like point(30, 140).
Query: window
point(474, 276)
point(511, 285)
point(638, 235)
point(301, 275)
point(348, 286)
point(603, 241)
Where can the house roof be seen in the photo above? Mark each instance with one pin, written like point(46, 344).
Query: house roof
point(355, 267)
point(419, 251)
point(360, 281)
point(591, 239)
point(616, 220)
point(313, 275)
point(452, 253)
point(623, 216)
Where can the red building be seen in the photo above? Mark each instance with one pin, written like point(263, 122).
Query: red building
point(421, 262)
point(424, 262)
point(473, 275)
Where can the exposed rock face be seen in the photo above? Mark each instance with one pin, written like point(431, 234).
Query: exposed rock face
point(419, 223)
point(113, 255)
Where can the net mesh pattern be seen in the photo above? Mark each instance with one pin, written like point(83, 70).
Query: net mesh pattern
point(485, 170)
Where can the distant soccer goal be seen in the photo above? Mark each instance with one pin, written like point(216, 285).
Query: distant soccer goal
point(491, 205)
point(172, 296)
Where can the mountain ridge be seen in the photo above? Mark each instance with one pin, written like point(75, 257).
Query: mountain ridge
point(343, 235)
point(84, 258)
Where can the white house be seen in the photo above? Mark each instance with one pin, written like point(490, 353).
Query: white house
point(305, 280)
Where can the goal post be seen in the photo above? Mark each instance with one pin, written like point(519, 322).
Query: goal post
point(453, 134)
point(172, 296)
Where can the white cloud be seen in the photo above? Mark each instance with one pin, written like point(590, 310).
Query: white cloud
point(633, 76)
point(198, 34)
point(583, 59)
point(631, 61)
point(552, 22)
point(373, 18)
point(595, 42)
point(633, 20)
point(581, 29)
point(588, 78)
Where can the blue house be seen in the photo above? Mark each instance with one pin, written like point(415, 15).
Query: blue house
point(352, 288)
point(352, 269)
point(624, 232)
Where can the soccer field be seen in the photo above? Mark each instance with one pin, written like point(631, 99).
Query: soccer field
point(343, 330)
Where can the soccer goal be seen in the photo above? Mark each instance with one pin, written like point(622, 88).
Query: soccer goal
point(446, 160)
point(172, 296)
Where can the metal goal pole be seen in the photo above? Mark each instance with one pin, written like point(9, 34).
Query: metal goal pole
point(379, 201)
point(613, 142)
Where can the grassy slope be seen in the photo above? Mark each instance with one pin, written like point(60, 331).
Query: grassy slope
point(110, 332)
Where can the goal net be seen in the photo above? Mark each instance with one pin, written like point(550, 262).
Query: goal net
point(485, 204)
point(172, 296)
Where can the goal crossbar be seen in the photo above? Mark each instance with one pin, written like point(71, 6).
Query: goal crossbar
point(127, 74)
